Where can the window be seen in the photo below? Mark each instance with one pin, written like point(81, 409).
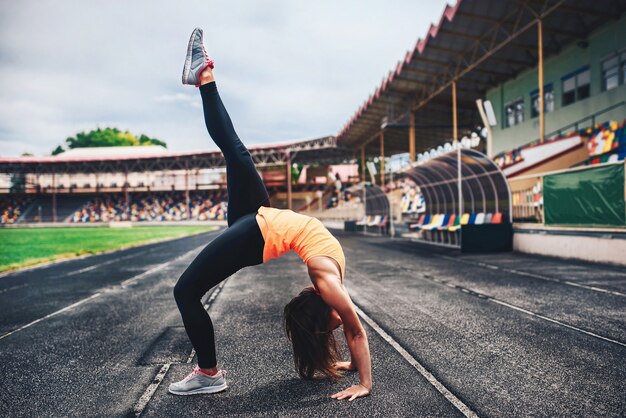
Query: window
point(548, 100)
point(610, 73)
point(514, 112)
point(614, 70)
point(576, 86)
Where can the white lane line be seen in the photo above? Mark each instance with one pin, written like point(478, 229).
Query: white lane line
point(67, 308)
point(95, 266)
point(151, 389)
point(535, 276)
point(458, 404)
point(122, 285)
point(8, 289)
point(147, 395)
point(520, 309)
point(557, 322)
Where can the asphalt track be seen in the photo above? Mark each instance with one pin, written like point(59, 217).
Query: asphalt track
point(450, 335)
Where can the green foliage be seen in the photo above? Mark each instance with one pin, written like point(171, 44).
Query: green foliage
point(107, 137)
point(296, 170)
point(58, 150)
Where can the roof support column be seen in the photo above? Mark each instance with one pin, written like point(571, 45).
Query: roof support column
point(542, 121)
point(288, 163)
point(455, 138)
point(455, 133)
point(363, 163)
point(126, 200)
point(412, 136)
point(382, 158)
point(187, 193)
point(54, 197)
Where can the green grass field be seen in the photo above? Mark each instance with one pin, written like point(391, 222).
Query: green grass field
point(21, 247)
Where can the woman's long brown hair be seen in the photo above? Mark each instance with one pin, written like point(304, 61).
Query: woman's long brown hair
point(307, 323)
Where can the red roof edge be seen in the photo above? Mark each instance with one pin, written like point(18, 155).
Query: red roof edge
point(448, 14)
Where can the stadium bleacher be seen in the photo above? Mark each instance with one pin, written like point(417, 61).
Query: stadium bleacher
point(606, 142)
point(155, 206)
point(66, 205)
point(12, 207)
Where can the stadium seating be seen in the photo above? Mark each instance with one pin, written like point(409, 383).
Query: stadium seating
point(379, 223)
point(12, 207)
point(424, 219)
point(157, 206)
point(606, 142)
point(444, 228)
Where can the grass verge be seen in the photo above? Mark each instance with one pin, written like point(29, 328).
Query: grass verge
point(25, 247)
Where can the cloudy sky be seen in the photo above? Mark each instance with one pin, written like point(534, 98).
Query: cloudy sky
point(286, 69)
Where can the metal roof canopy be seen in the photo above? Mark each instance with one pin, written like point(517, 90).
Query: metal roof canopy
point(320, 150)
point(478, 44)
point(483, 185)
point(375, 198)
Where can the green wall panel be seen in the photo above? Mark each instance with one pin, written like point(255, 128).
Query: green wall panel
point(589, 197)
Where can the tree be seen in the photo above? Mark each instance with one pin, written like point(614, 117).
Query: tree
point(107, 137)
point(58, 150)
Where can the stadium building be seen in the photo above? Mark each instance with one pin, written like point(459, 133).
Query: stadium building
point(543, 82)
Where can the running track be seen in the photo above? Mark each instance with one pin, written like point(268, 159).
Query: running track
point(450, 335)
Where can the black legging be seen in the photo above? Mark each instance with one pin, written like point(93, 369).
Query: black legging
point(240, 245)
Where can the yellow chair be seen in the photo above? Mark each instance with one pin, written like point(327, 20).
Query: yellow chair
point(464, 221)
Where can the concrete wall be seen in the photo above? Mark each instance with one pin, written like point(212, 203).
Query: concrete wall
point(604, 41)
point(594, 249)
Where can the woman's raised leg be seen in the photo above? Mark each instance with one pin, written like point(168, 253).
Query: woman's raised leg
point(246, 190)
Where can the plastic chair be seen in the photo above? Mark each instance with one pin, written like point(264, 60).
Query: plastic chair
point(472, 219)
point(480, 219)
point(451, 221)
point(434, 221)
point(488, 218)
point(497, 218)
point(460, 222)
point(419, 222)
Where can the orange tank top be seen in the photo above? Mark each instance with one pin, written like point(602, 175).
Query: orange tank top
point(284, 230)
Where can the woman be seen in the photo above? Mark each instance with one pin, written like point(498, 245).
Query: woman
point(257, 233)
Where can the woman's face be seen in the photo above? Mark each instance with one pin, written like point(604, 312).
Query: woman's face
point(335, 320)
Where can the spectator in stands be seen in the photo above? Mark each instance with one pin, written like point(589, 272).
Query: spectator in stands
point(164, 206)
point(12, 207)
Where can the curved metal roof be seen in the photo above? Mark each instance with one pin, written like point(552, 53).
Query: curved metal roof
point(484, 186)
point(375, 198)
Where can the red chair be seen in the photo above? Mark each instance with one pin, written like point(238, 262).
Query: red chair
point(419, 223)
point(497, 218)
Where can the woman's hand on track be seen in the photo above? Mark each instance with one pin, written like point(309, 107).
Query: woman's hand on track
point(353, 392)
point(344, 365)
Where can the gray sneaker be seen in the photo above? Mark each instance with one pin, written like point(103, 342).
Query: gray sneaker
point(197, 382)
point(196, 60)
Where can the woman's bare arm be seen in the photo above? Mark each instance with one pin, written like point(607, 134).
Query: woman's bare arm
point(325, 278)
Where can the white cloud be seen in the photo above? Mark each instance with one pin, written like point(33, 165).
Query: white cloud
point(285, 69)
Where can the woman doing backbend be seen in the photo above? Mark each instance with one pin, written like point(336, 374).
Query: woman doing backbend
point(257, 233)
